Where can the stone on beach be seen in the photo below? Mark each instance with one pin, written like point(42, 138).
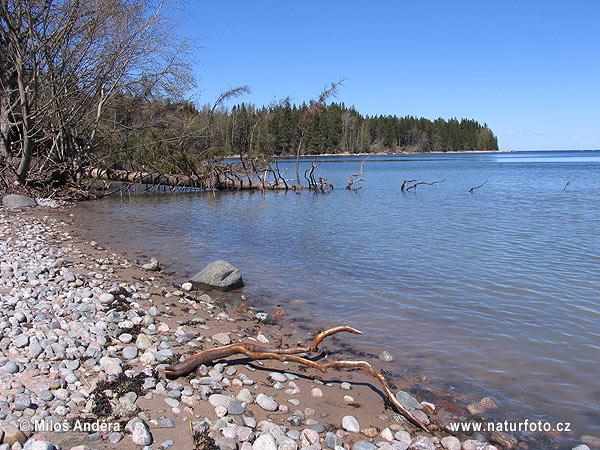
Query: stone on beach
point(152, 266)
point(349, 423)
point(18, 201)
point(140, 434)
point(218, 275)
point(408, 401)
point(450, 443)
point(266, 403)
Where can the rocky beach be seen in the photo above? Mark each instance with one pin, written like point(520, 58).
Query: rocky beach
point(86, 334)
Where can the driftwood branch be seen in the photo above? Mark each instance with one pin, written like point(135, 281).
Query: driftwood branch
point(477, 187)
point(568, 183)
point(352, 179)
point(257, 352)
point(414, 186)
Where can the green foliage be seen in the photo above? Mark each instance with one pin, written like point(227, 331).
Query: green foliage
point(338, 129)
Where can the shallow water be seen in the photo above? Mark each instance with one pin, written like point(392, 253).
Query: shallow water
point(494, 292)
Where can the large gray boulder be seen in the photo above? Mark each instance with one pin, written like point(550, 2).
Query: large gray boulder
point(218, 275)
point(18, 201)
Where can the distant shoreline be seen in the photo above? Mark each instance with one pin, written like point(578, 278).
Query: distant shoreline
point(319, 155)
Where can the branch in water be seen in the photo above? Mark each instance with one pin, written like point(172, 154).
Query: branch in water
point(414, 186)
point(477, 187)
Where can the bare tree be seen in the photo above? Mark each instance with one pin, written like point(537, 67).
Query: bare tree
point(64, 64)
point(311, 114)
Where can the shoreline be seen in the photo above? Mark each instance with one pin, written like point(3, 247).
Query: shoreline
point(99, 268)
point(381, 154)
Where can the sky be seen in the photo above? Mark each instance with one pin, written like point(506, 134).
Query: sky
point(529, 69)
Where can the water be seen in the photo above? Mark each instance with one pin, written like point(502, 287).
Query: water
point(494, 292)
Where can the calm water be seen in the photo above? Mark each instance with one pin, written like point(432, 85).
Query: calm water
point(494, 292)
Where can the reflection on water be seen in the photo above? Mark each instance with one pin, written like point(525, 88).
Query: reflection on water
point(494, 291)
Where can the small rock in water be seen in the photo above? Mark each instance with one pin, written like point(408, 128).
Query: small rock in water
point(386, 356)
point(152, 266)
point(218, 275)
point(504, 439)
point(590, 440)
point(349, 423)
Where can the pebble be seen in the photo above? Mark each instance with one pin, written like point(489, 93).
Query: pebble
point(264, 442)
point(408, 401)
point(235, 408)
point(114, 438)
point(130, 352)
point(363, 445)
point(222, 338)
point(277, 376)
point(349, 423)
point(266, 403)
point(422, 443)
point(450, 443)
point(140, 434)
point(11, 367)
point(244, 396)
point(506, 440)
point(316, 392)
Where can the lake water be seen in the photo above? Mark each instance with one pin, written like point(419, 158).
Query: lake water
point(494, 292)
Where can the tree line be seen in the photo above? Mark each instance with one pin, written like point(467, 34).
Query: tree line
point(276, 131)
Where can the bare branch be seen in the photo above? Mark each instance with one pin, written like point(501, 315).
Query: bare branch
point(477, 187)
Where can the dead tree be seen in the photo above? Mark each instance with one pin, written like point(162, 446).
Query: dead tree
point(352, 180)
point(310, 115)
point(257, 352)
point(414, 186)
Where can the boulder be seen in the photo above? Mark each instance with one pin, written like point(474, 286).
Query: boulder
point(18, 201)
point(218, 275)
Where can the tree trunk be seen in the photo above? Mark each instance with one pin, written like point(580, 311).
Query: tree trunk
point(191, 181)
point(27, 147)
point(4, 125)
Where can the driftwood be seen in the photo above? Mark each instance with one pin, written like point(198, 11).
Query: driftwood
point(257, 352)
point(414, 186)
point(352, 180)
point(477, 187)
point(568, 183)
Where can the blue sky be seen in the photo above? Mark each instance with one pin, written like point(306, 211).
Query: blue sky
point(529, 69)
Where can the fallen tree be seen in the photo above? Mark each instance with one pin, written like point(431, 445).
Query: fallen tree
point(209, 177)
point(257, 352)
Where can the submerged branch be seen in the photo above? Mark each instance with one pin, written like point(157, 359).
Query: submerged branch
point(477, 187)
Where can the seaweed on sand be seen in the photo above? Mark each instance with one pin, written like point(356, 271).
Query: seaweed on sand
point(121, 385)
